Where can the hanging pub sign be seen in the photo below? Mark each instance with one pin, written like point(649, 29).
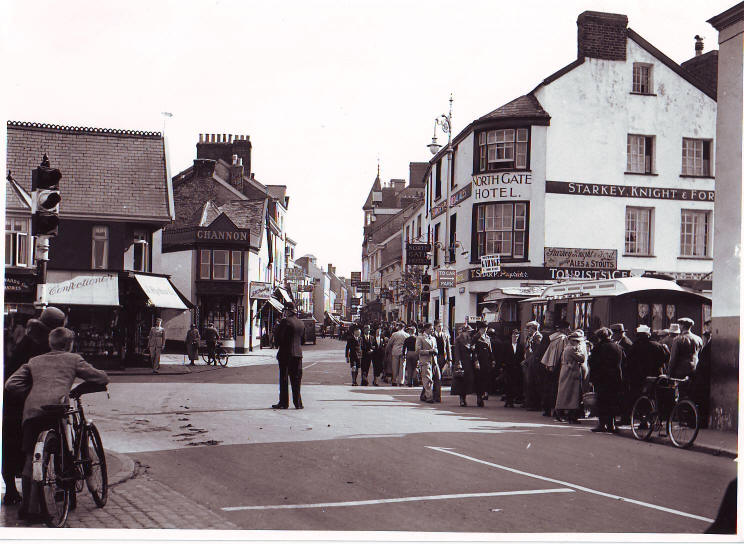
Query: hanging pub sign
point(294, 274)
point(259, 290)
point(490, 264)
point(338, 306)
point(439, 209)
point(570, 257)
point(417, 254)
point(363, 287)
point(356, 277)
point(462, 194)
point(446, 278)
point(356, 301)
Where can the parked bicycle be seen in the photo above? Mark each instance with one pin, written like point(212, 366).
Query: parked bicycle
point(67, 456)
point(220, 355)
point(666, 402)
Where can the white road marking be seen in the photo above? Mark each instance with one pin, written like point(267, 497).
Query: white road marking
point(311, 364)
point(399, 499)
point(573, 486)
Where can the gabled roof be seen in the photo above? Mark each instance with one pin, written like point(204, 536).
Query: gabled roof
point(15, 197)
point(526, 106)
point(106, 173)
point(277, 191)
point(241, 214)
point(376, 188)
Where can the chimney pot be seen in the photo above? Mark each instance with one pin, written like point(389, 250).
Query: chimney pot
point(224, 138)
point(229, 138)
point(200, 137)
point(698, 45)
point(213, 138)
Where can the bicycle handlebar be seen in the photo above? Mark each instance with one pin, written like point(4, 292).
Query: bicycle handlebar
point(85, 388)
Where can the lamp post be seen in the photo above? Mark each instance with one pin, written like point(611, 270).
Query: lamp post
point(444, 122)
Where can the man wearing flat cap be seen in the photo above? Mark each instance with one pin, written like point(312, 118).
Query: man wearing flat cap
point(685, 349)
point(646, 358)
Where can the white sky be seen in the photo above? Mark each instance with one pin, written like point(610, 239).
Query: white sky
point(322, 87)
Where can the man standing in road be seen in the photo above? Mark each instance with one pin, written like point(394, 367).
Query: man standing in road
point(396, 353)
point(354, 352)
point(645, 358)
point(685, 349)
point(626, 403)
point(551, 369)
point(289, 336)
point(426, 347)
point(530, 364)
point(211, 335)
point(444, 357)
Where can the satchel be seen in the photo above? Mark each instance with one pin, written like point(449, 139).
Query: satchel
point(589, 398)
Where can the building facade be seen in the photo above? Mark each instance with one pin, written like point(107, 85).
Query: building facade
point(549, 187)
point(105, 266)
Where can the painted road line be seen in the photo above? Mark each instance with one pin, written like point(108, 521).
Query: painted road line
point(573, 486)
point(399, 499)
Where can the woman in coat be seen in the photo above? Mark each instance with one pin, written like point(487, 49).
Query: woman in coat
point(482, 360)
point(573, 370)
point(378, 357)
point(155, 343)
point(606, 376)
point(192, 343)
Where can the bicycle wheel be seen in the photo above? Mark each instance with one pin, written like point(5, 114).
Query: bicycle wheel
point(55, 495)
point(96, 475)
point(221, 357)
point(205, 357)
point(683, 424)
point(643, 418)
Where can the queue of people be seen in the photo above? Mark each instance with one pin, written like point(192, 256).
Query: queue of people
point(551, 371)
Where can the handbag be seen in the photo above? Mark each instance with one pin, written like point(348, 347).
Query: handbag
point(589, 398)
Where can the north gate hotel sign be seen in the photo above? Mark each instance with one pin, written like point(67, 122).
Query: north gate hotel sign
point(502, 186)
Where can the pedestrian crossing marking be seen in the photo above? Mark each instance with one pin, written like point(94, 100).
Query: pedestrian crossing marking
point(573, 486)
point(398, 499)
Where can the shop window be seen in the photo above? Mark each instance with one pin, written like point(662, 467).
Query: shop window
point(638, 230)
point(100, 247)
point(657, 316)
point(18, 243)
point(582, 314)
point(501, 229)
point(695, 233)
point(503, 149)
point(538, 312)
point(640, 154)
point(220, 264)
point(696, 157)
point(643, 78)
point(237, 265)
point(141, 251)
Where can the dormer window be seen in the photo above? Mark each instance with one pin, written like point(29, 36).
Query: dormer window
point(643, 78)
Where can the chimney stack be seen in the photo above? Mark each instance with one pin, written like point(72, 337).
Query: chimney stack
point(602, 35)
point(698, 45)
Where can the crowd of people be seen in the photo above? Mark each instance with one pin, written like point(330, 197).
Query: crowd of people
point(557, 370)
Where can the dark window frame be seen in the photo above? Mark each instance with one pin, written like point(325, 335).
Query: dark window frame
point(503, 166)
point(474, 242)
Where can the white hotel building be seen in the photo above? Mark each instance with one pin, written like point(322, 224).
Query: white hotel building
point(604, 170)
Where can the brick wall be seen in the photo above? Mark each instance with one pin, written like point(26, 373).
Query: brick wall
point(602, 35)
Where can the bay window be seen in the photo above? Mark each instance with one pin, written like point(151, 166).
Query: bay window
point(503, 149)
point(221, 264)
point(501, 229)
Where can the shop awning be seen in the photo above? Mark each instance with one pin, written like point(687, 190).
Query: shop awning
point(160, 291)
point(278, 306)
point(514, 293)
point(284, 294)
point(612, 288)
point(82, 288)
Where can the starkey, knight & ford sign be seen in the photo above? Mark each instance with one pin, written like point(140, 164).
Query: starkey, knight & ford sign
point(628, 191)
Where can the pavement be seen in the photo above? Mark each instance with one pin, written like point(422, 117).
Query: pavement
point(200, 448)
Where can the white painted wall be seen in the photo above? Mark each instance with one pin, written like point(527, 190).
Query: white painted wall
point(181, 266)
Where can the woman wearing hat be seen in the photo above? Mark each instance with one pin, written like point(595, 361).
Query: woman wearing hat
point(573, 372)
point(606, 376)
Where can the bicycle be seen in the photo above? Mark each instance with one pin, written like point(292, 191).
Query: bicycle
point(681, 414)
point(220, 355)
point(67, 456)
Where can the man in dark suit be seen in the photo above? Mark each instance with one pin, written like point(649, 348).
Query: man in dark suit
point(289, 337)
point(513, 355)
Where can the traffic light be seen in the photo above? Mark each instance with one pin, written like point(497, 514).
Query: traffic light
point(425, 293)
point(45, 199)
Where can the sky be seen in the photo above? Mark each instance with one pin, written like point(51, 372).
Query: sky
point(324, 88)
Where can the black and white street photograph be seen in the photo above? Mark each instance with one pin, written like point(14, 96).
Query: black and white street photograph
point(371, 271)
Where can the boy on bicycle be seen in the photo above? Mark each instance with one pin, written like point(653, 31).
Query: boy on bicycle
point(48, 379)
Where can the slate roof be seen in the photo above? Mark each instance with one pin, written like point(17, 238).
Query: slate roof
point(244, 214)
point(16, 198)
point(116, 174)
point(704, 68)
point(524, 106)
point(277, 191)
point(376, 188)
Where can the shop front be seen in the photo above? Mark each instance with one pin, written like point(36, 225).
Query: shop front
point(20, 291)
point(631, 301)
point(112, 312)
point(221, 304)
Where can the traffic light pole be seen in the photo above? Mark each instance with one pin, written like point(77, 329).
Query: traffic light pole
point(42, 258)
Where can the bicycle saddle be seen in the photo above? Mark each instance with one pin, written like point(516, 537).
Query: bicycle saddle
point(55, 409)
